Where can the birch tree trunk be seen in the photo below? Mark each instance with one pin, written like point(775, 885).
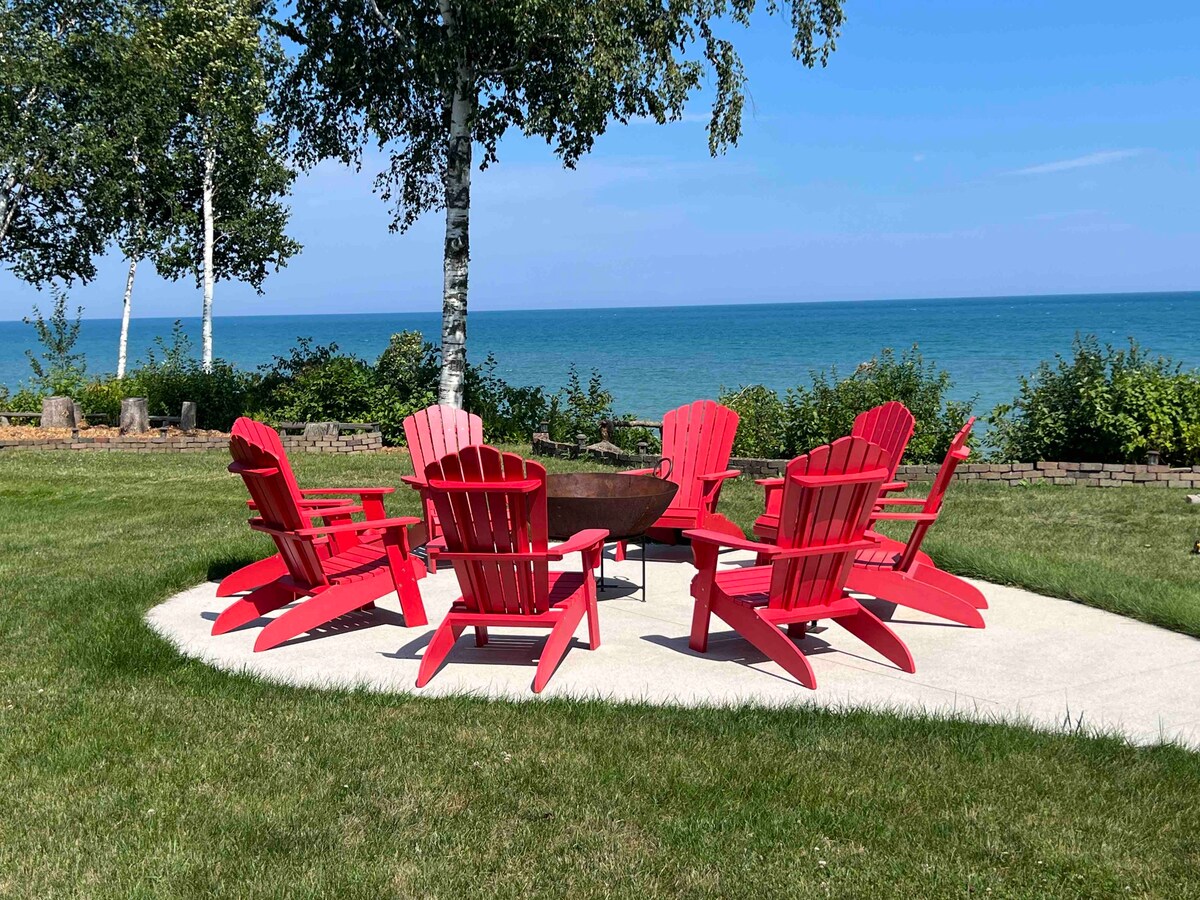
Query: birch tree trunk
point(457, 252)
point(206, 339)
point(10, 197)
point(123, 345)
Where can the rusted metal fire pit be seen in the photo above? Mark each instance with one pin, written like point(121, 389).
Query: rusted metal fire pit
point(624, 505)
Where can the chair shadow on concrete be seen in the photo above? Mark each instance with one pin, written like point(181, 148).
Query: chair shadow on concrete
point(886, 610)
point(357, 620)
point(522, 650)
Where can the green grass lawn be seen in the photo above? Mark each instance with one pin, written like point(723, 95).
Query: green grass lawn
point(128, 771)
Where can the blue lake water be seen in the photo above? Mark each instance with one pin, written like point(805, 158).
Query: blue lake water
point(654, 358)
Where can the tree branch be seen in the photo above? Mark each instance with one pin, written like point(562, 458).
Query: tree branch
point(387, 23)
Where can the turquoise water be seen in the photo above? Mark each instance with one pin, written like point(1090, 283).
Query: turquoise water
point(655, 358)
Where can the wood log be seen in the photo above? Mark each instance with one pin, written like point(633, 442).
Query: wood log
point(135, 417)
point(58, 412)
point(187, 416)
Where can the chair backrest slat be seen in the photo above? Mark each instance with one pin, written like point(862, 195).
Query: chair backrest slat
point(509, 517)
point(273, 489)
point(821, 507)
point(891, 426)
point(697, 438)
point(957, 453)
point(438, 430)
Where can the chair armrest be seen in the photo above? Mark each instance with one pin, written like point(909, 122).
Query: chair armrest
point(361, 492)
point(587, 539)
point(415, 481)
point(893, 486)
point(901, 501)
point(903, 517)
point(722, 539)
point(769, 482)
point(721, 476)
point(341, 528)
point(637, 472)
point(849, 478)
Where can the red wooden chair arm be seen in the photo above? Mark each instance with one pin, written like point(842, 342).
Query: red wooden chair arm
point(638, 472)
point(817, 481)
point(307, 503)
point(903, 517)
point(825, 549)
point(580, 541)
point(721, 539)
point(414, 481)
point(769, 483)
point(359, 492)
point(721, 476)
point(893, 486)
point(902, 501)
point(340, 528)
point(525, 486)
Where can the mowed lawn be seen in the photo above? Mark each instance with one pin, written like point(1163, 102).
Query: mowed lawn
point(128, 771)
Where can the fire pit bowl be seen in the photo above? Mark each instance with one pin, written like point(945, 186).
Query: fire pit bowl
point(625, 505)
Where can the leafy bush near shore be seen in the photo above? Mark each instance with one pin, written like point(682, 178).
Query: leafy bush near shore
point(1102, 404)
point(823, 411)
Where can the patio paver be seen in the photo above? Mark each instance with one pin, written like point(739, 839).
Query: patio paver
point(1039, 661)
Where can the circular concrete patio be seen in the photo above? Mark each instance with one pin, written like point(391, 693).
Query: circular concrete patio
point(1048, 663)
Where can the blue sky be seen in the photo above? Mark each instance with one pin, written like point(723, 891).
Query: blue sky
point(950, 149)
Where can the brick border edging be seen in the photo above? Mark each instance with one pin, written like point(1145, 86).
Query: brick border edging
point(369, 442)
point(1085, 474)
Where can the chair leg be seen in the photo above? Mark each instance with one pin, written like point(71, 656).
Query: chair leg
point(593, 617)
point(256, 603)
point(867, 627)
point(896, 587)
point(319, 609)
point(557, 643)
point(766, 637)
point(247, 578)
point(405, 583)
point(951, 584)
point(481, 635)
point(437, 651)
point(701, 617)
point(619, 553)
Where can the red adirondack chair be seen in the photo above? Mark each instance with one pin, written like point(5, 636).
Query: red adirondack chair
point(336, 581)
point(827, 499)
point(312, 500)
point(492, 507)
point(899, 572)
point(697, 439)
point(889, 425)
point(431, 434)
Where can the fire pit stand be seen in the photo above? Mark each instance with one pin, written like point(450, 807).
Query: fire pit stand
point(624, 505)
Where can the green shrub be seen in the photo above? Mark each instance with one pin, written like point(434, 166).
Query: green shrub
point(57, 370)
point(1102, 405)
point(510, 413)
point(406, 377)
point(826, 410)
point(579, 409)
point(314, 383)
point(761, 421)
point(172, 374)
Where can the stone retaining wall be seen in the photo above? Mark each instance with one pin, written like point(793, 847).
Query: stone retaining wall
point(369, 442)
point(1087, 474)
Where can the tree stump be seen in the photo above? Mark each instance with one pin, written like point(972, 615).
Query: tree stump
point(78, 412)
point(314, 431)
point(187, 416)
point(58, 412)
point(135, 417)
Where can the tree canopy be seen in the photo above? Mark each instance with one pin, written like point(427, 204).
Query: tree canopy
point(427, 79)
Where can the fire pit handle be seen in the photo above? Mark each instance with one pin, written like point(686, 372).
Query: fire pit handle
point(658, 465)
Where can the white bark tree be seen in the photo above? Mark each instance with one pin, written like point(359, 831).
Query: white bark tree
point(123, 343)
point(427, 80)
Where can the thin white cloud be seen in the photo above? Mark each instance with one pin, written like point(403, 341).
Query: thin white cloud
point(1079, 162)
